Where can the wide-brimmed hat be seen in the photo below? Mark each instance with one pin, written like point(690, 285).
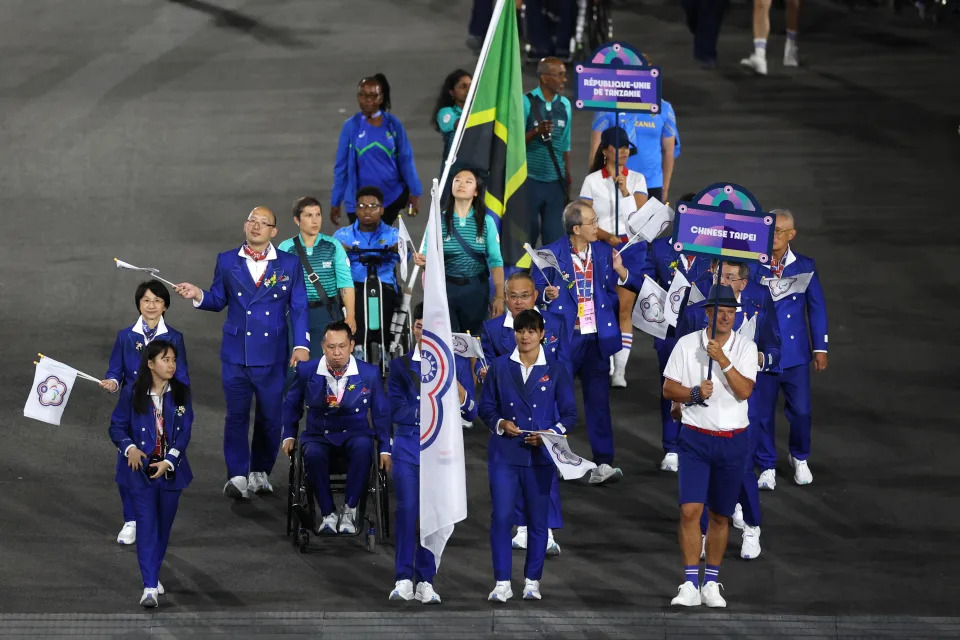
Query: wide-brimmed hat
point(721, 295)
point(617, 137)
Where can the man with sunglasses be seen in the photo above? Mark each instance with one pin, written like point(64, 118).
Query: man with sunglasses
point(259, 287)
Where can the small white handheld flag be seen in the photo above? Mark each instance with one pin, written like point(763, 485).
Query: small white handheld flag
point(749, 328)
point(650, 220)
point(678, 289)
point(154, 272)
point(402, 246)
point(780, 288)
point(543, 258)
point(570, 465)
point(52, 383)
point(467, 346)
point(649, 312)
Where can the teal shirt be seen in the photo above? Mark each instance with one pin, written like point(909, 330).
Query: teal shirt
point(457, 261)
point(329, 261)
point(539, 165)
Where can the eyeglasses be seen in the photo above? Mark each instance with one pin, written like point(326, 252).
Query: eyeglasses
point(730, 278)
point(519, 296)
point(362, 206)
point(257, 223)
point(777, 231)
point(594, 223)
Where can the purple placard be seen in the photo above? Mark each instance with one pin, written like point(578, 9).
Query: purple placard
point(716, 233)
point(618, 88)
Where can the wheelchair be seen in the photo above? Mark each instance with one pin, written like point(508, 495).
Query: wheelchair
point(373, 508)
point(593, 26)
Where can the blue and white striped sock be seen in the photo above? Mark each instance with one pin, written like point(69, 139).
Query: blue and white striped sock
point(791, 35)
point(692, 574)
point(711, 573)
point(760, 47)
point(626, 340)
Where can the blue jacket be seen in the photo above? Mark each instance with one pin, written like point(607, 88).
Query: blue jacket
point(363, 399)
point(663, 261)
point(498, 340)
point(127, 427)
point(755, 301)
point(802, 316)
point(345, 168)
point(255, 331)
point(403, 387)
point(533, 406)
point(125, 357)
point(563, 309)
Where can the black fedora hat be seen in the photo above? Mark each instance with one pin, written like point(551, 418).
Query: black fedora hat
point(721, 295)
point(617, 137)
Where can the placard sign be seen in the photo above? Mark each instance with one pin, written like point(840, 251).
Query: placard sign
point(715, 226)
point(617, 78)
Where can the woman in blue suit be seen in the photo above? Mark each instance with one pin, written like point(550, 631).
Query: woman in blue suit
point(151, 429)
point(152, 300)
point(523, 394)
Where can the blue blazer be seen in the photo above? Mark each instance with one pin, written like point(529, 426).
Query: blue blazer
point(125, 357)
point(403, 387)
point(563, 309)
point(662, 263)
point(363, 399)
point(533, 406)
point(802, 316)
point(497, 340)
point(755, 301)
point(127, 427)
point(255, 331)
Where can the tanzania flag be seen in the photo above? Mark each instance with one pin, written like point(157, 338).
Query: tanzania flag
point(493, 139)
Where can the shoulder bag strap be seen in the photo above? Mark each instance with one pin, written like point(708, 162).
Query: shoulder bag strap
point(314, 279)
point(561, 178)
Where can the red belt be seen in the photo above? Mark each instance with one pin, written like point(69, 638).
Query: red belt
point(714, 433)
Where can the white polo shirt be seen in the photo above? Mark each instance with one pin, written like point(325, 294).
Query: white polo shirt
point(599, 190)
point(688, 366)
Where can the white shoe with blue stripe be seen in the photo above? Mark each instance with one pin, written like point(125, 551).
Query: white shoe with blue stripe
point(531, 590)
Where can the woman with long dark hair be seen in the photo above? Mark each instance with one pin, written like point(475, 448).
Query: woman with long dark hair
point(449, 106)
point(374, 150)
point(151, 428)
point(152, 301)
point(471, 253)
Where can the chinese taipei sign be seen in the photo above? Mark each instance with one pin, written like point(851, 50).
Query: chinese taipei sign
point(724, 221)
point(617, 78)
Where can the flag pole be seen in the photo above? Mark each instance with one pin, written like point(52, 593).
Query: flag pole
point(80, 374)
point(462, 123)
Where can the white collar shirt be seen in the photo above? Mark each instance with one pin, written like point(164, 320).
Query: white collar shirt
point(602, 193)
point(337, 386)
point(524, 369)
point(688, 366)
point(138, 328)
point(258, 267)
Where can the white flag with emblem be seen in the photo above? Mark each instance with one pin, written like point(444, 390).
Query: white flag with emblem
point(443, 478)
point(650, 220)
point(467, 346)
point(404, 238)
point(780, 288)
point(649, 314)
point(570, 465)
point(52, 383)
point(543, 258)
point(678, 289)
point(749, 329)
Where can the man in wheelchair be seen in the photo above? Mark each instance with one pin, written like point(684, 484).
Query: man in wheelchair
point(342, 396)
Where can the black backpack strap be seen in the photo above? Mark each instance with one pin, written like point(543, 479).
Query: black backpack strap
point(314, 279)
point(473, 253)
point(541, 116)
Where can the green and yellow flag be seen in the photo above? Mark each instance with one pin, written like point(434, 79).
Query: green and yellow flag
point(493, 139)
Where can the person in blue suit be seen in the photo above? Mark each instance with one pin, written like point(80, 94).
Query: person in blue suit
point(498, 339)
point(662, 264)
point(755, 302)
point(151, 428)
point(343, 396)
point(582, 298)
point(259, 287)
point(802, 313)
point(152, 300)
point(523, 393)
point(403, 387)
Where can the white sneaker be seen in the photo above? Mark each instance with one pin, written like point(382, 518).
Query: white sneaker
point(520, 540)
point(128, 534)
point(329, 523)
point(236, 488)
point(670, 462)
point(160, 589)
point(687, 595)
point(605, 473)
point(737, 519)
point(531, 590)
point(348, 520)
point(149, 598)
point(553, 549)
point(710, 594)
point(703, 547)
point(750, 548)
point(426, 594)
point(756, 62)
point(258, 483)
point(501, 592)
point(801, 471)
point(402, 590)
point(767, 480)
point(618, 380)
point(790, 54)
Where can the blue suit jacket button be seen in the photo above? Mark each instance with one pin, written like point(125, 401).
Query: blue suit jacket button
point(239, 293)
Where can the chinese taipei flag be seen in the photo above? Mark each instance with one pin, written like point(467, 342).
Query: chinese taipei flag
point(52, 383)
point(443, 482)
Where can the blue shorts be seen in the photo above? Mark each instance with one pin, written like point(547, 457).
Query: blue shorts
point(711, 469)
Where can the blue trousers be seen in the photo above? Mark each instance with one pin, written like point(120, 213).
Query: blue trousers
point(155, 508)
point(240, 385)
point(413, 562)
point(670, 428)
point(129, 515)
point(506, 481)
point(538, 27)
point(554, 515)
point(795, 383)
point(545, 210)
point(358, 450)
point(594, 371)
point(480, 17)
point(703, 19)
